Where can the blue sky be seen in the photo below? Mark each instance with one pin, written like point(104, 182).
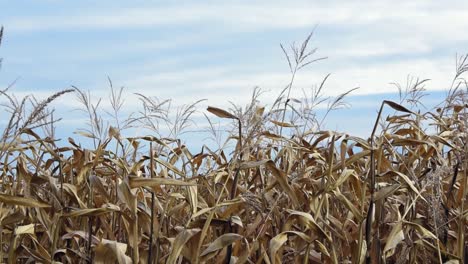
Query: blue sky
point(219, 51)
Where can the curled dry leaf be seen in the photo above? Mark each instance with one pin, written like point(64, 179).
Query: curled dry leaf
point(398, 107)
point(179, 243)
point(393, 239)
point(220, 113)
point(275, 244)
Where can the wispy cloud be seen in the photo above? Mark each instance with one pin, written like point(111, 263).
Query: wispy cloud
point(168, 16)
point(258, 15)
point(220, 84)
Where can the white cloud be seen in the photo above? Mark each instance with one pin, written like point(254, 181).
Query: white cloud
point(352, 30)
point(252, 15)
point(364, 30)
point(425, 16)
point(220, 84)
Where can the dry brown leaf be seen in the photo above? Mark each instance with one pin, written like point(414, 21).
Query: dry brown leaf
point(282, 180)
point(275, 244)
point(221, 242)
point(282, 124)
point(386, 192)
point(25, 229)
point(127, 196)
point(398, 107)
point(89, 212)
point(220, 112)
point(393, 239)
point(136, 182)
point(108, 251)
point(179, 242)
point(17, 200)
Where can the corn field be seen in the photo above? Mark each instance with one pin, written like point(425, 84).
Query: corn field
point(289, 190)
